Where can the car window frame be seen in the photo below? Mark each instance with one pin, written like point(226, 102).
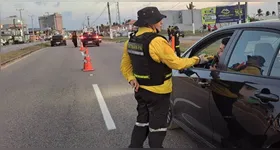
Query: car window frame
point(230, 51)
point(191, 51)
point(274, 58)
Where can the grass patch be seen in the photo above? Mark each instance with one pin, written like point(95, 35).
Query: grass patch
point(209, 50)
point(13, 55)
point(188, 33)
point(115, 39)
point(186, 45)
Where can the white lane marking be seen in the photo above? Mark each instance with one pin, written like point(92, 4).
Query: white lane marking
point(187, 101)
point(104, 109)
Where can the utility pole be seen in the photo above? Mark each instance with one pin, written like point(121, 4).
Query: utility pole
point(110, 23)
point(246, 10)
point(192, 18)
point(22, 24)
point(31, 16)
point(88, 21)
point(239, 13)
point(118, 13)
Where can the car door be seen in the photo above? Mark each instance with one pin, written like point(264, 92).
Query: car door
point(190, 93)
point(248, 114)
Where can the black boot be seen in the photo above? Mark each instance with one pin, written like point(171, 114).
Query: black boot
point(139, 135)
point(156, 139)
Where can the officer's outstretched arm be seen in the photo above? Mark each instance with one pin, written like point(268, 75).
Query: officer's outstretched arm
point(166, 54)
point(126, 66)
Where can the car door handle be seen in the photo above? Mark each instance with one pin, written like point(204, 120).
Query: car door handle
point(265, 96)
point(204, 84)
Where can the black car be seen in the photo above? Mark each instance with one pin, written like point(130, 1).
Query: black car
point(90, 38)
point(58, 40)
point(232, 108)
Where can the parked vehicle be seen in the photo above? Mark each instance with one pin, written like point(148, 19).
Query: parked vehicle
point(246, 112)
point(58, 40)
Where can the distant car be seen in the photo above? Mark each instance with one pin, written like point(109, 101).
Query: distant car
point(58, 40)
point(237, 104)
point(90, 38)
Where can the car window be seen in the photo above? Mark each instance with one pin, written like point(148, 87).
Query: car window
point(212, 46)
point(254, 52)
point(276, 66)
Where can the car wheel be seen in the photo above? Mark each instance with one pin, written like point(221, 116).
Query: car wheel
point(170, 122)
point(97, 44)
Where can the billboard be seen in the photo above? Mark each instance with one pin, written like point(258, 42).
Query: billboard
point(208, 15)
point(230, 13)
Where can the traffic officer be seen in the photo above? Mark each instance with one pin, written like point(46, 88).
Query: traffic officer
point(169, 33)
point(176, 34)
point(75, 38)
point(147, 64)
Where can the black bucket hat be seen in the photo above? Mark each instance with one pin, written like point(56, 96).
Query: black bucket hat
point(148, 16)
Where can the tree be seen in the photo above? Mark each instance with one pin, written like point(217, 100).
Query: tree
point(273, 13)
point(190, 6)
point(267, 13)
point(259, 12)
point(253, 19)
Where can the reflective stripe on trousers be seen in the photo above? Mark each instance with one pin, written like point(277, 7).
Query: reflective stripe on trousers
point(158, 130)
point(141, 124)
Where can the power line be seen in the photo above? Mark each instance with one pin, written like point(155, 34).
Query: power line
point(100, 14)
point(175, 5)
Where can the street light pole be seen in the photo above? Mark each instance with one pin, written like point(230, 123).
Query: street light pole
point(239, 13)
point(31, 16)
point(22, 24)
point(110, 23)
point(192, 17)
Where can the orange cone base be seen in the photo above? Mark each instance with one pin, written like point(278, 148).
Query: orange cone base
point(88, 67)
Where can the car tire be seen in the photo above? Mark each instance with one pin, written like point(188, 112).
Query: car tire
point(171, 125)
point(97, 44)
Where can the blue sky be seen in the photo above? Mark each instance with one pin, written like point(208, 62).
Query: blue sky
point(74, 12)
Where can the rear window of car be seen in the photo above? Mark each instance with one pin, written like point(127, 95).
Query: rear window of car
point(57, 37)
point(89, 34)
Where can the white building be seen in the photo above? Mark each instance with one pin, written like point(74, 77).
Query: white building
point(182, 19)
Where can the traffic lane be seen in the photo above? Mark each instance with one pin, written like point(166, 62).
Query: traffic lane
point(8, 48)
point(120, 99)
point(47, 102)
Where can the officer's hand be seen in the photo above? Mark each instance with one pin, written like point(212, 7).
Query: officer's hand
point(205, 58)
point(134, 85)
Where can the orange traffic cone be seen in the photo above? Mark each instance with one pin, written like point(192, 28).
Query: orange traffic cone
point(87, 62)
point(82, 47)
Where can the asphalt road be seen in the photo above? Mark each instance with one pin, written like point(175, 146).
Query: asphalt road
point(48, 102)
point(8, 48)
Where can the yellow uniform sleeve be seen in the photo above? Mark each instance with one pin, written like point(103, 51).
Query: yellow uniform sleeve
point(162, 51)
point(126, 66)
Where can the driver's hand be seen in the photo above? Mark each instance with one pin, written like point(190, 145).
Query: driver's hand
point(205, 58)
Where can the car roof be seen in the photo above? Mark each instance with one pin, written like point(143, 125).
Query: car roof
point(268, 24)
